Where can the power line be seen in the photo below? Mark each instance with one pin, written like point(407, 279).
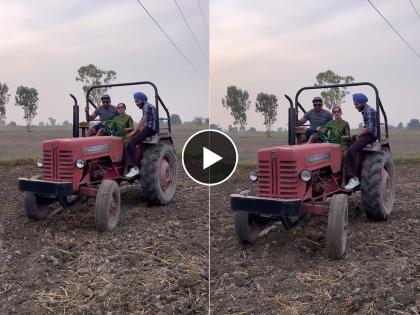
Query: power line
point(414, 8)
point(393, 28)
point(192, 33)
point(202, 15)
point(172, 42)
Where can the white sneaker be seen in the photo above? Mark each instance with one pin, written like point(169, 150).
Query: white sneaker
point(353, 183)
point(134, 171)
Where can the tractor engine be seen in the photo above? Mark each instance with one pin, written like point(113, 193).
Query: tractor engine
point(321, 179)
point(287, 172)
point(81, 160)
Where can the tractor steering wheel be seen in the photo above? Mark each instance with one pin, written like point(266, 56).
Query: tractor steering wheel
point(328, 136)
point(114, 128)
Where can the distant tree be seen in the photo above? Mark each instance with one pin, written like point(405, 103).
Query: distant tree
point(238, 102)
point(4, 99)
point(360, 126)
point(91, 75)
point(280, 129)
point(267, 105)
point(198, 121)
point(400, 125)
point(215, 126)
point(252, 129)
point(206, 121)
point(175, 120)
point(12, 124)
point(52, 121)
point(232, 128)
point(41, 124)
point(414, 124)
point(66, 123)
point(334, 96)
point(2, 121)
point(27, 98)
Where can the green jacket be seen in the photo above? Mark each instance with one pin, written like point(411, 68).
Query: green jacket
point(343, 129)
point(121, 122)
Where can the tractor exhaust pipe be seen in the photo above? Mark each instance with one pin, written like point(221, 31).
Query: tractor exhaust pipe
point(75, 117)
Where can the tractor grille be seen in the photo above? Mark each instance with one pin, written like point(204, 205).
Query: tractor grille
point(277, 179)
point(264, 179)
point(288, 180)
point(58, 165)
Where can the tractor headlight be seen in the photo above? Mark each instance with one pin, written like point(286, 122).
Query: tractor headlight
point(39, 163)
point(253, 176)
point(80, 163)
point(306, 175)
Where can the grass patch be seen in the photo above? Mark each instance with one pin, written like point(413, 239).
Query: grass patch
point(406, 158)
point(247, 163)
point(16, 161)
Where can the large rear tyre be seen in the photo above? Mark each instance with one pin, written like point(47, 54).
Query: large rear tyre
point(378, 185)
point(35, 207)
point(158, 173)
point(337, 226)
point(108, 206)
point(246, 227)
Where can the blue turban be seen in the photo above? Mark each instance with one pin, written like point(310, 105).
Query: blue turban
point(140, 96)
point(360, 98)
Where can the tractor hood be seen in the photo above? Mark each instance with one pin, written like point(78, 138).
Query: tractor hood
point(306, 156)
point(87, 147)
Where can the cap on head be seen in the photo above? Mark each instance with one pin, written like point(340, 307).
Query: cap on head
point(140, 96)
point(105, 97)
point(317, 99)
point(360, 98)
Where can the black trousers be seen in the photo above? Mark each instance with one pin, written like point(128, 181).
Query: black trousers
point(353, 158)
point(130, 153)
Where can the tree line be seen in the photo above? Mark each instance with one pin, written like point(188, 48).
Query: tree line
point(28, 97)
point(238, 102)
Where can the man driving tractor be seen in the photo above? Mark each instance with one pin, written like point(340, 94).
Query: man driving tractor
point(105, 112)
point(317, 117)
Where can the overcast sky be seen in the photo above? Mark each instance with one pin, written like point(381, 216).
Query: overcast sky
point(279, 46)
point(44, 42)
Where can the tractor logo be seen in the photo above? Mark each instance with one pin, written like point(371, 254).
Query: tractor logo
point(325, 156)
point(96, 149)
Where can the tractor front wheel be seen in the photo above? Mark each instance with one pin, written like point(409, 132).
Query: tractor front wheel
point(108, 206)
point(35, 207)
point(246, 227)
point(378, 185)
point(337, 226)
point(158, 173)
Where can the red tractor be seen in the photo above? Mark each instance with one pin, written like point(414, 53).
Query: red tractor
point(78, 168)
point(296, 181)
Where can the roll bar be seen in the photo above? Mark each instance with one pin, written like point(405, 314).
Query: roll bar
point(294, 108)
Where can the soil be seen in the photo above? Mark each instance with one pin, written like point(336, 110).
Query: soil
point(288, 272)
point(154, 262)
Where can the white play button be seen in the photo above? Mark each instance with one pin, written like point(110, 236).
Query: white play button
point(209, 158)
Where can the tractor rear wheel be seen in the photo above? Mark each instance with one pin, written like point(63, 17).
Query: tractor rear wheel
point(35, 207)
point(378, 185)
point(337, 226)
point(107, 206)
point(246, 227)
point(158, 173)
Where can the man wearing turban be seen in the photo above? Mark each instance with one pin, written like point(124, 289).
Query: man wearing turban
point(368, 135)
point(145, 128)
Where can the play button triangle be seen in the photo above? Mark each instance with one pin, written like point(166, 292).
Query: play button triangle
point(209, 158)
